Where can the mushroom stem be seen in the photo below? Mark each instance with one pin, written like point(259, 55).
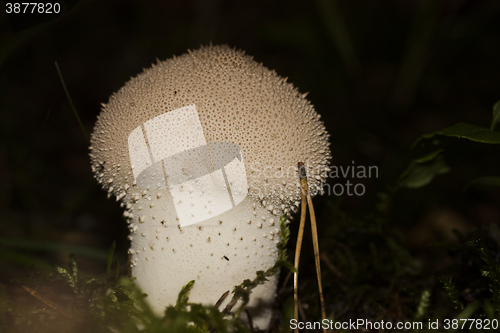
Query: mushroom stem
point(306, 202)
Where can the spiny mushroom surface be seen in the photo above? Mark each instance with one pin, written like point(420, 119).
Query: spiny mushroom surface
point(202, 151)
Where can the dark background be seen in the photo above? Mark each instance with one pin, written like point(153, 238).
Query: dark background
point(381, 73)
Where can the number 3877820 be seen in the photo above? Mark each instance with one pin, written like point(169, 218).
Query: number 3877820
point(32, 7)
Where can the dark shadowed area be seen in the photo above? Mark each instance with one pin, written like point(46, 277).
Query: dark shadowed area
point(380, 73)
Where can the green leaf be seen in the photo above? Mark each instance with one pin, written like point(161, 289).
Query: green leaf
point(422, 171)
point(429, 157)
point(452, 293)
point(288, 265)
point(473, 133)
point(496, 115)
point(486, 181)
point(285, 233)
point(466, 131)
point(23, 259)
point(423, 305)
point(469, 310)
point(30, 244)
point(183, 298)
point(67, 276)
point(492, 271)
point(74, 271)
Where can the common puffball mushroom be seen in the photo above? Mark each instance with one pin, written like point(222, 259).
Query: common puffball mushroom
point(202, 151)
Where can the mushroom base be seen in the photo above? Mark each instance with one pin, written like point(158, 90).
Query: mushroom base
point(217, 253)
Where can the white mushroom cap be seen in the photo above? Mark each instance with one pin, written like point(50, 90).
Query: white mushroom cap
point(152, 145)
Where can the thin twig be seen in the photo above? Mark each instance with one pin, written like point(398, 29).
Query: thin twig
point(298, 248)
point(316, 255)
point(305, 194)
point(47, 302)
point(283, 287)
point(217, 305)
point(302, 313)
point(332, 267)
point(71, 102)
point(221, 299)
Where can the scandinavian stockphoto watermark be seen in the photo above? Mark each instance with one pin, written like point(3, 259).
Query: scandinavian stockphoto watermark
point(353, 174)
point(369, 325)
point(355, 325)
point(344, 179)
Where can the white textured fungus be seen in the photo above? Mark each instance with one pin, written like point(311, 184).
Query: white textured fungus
point(202, 150)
